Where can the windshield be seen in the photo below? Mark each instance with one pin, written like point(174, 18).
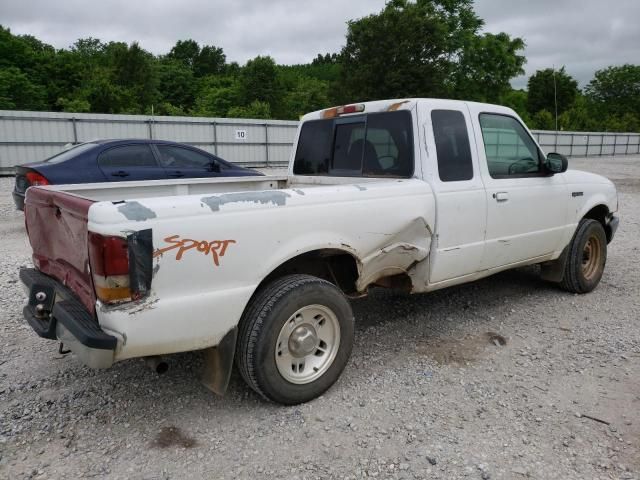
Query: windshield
point(71, 153)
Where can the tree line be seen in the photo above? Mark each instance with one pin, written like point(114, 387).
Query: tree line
point(421, 48)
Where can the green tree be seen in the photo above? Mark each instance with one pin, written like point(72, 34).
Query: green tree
point(185, 51)
point(217, 95)
point(579, 117)
point(176, 85)
point(18, 92)
point(134, 71)
point(516, 100)
point(543, 120)
point(423, 48)
point(73, 105)
point(542, 95)
point(615, 90)
point(306, 95)
point(259, 80)
point(486, 66)
point(210, 61)
point(255, 109)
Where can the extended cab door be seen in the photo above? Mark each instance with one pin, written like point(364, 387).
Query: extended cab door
point(526, 207)
point(452, 169)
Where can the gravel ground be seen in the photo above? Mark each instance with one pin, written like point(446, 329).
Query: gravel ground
point(425, 395)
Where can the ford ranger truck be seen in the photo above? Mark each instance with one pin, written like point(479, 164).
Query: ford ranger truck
point(411, 194)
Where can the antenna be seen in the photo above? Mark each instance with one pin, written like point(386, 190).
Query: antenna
point(555, 95)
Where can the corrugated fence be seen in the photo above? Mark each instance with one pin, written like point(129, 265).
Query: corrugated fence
point(31, 136)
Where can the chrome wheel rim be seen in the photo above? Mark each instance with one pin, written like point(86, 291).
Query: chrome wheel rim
point(307, 344)
point(591, 257)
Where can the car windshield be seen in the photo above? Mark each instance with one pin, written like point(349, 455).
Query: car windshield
point(70, 153)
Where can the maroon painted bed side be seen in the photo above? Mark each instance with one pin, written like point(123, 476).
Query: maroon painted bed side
point(57, 227)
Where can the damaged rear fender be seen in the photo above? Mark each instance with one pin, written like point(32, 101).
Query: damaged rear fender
point(406, 252)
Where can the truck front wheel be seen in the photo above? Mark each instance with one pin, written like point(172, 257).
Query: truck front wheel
point(586, 257)
point(295, 338)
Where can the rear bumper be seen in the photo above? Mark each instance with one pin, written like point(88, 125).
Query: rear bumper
point(18, 199)
point(54, 313)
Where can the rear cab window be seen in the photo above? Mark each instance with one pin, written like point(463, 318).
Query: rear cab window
point(370, 145)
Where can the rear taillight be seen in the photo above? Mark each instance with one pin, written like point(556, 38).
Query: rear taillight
point(35, 179)
point(109, 260)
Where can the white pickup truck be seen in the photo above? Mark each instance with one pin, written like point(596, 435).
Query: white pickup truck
point(414, 194)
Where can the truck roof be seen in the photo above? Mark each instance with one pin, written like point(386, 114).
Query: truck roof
point(397, 104)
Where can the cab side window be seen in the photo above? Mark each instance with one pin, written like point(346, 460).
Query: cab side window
point(510, 150)
point(452, 145)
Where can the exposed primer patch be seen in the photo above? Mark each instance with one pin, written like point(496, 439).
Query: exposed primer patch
point(298, 191)
point(395, 106)
point(275, 197)
point(361, 188)
point(136, 211)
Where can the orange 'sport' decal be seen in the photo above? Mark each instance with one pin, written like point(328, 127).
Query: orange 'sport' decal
point(216, 248)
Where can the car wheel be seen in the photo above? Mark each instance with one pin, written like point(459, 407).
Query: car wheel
point(295, 339)
point(586, 257)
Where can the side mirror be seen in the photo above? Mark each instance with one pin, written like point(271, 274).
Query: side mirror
point(556, 163)
point(214, 167)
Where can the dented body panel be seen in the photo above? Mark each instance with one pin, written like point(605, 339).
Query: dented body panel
point(214, 241)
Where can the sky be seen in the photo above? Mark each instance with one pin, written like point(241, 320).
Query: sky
point(582, 35)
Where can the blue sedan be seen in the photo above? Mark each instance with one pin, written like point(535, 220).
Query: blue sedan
point(123, 160)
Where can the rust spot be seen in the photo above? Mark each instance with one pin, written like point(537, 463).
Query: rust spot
point(395, 106)
point(172, 437)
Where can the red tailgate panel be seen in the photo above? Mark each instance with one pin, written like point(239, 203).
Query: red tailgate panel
point(57, 227)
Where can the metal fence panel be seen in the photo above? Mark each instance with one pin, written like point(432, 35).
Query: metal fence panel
point(32, 136)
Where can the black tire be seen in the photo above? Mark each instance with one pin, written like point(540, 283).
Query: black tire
point(586, 257)
point(262, 321)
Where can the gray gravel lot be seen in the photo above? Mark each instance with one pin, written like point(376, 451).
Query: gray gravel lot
point(425, 395)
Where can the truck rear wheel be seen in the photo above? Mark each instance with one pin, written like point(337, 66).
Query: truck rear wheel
point(295, 338)
point(586, 257)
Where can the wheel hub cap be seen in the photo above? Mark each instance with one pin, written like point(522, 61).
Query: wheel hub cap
point(307, 344)
point(303, 341)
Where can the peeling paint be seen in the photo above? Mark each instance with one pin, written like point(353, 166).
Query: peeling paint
point(395, 106)
point(136, 211)
point(148, 303)
point(275, 197)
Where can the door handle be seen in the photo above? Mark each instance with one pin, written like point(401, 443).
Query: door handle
point(501, 196)
point(120, 173)
point(176, 174)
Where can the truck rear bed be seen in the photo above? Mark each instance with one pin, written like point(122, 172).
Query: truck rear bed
point(57, 226)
